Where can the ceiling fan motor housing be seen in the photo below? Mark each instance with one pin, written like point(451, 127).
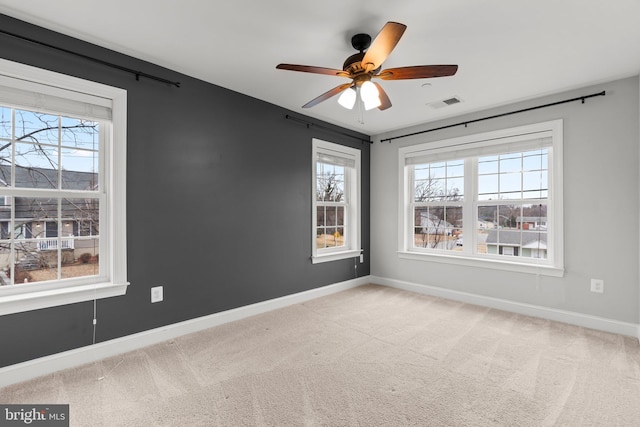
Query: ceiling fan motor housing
point(353, 64)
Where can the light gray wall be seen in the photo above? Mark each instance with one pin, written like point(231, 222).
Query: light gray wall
point(601, 207)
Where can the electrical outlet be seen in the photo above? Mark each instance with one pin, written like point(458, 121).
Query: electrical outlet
point(361, 258)
point(597, 285)
point(157, 294)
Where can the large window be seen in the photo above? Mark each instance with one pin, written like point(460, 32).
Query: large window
point(63, 227)
point(336, 202)
point(491, 200)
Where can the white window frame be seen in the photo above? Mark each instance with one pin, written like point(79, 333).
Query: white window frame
point(456, 148)
point(112, 280)
point(352, 235)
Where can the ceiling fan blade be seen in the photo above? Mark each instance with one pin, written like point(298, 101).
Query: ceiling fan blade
point(311, 69)
point(383, 44)
point(418, 72)
point(384, 98)
point(336, 90)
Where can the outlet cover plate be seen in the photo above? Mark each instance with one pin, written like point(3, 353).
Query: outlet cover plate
point(157, 294)
point(597, 286)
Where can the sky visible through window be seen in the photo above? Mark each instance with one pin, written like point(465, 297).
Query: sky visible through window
point(49, 141)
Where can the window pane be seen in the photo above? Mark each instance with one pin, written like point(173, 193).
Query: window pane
point(79, 169)
point(453, 218)
point(36, 166)
point(38, 128)
point(340, 216)
point(320, 216)
point(510, 186)
point(338, 237)
point(534, 217)
point(455, 168)
point(487, 184)
point(5, 226)
point(511, 162)
point(80, 217)
point(487, 221)
point(488, 165)
point(80, 258)
point(456, 188)
point(535, 181)
point(5, 263)
point(534, 160)
point(79, 133)
point(426, 190)
point(438, 170)
point(331, 216)
point(421, 172)
point(5, 122)
point(320, 239)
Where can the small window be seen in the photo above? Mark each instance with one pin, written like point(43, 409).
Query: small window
point(336, 202)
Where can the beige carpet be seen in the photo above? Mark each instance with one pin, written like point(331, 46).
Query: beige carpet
point(370, 356)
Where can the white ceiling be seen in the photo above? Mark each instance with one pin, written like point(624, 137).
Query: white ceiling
point(506, 50)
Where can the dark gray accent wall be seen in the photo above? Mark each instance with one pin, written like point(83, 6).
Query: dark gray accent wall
point(218, 202)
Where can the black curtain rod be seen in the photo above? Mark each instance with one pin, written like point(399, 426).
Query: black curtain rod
point(309, 124)
point(138, 74)
point(579, 98)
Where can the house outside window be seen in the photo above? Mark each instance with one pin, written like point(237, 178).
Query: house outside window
point(63, 226)
point(336, 202)
point(491, 200)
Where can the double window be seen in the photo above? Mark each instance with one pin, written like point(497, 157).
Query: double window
point(336, 202)
point(487, 200)
point(63, 225)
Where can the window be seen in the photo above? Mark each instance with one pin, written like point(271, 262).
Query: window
point(63, 221)
point(489, 200)
point(336, 202)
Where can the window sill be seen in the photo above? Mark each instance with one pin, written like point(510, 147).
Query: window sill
point(334, 256)
point(35, 300)
point(520, 267)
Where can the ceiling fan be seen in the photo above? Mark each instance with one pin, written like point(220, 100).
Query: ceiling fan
point(365, 65)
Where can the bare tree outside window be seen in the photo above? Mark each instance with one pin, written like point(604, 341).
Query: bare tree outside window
point(437, 215)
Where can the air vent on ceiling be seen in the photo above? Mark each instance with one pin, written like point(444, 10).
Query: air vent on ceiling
point(445, 102)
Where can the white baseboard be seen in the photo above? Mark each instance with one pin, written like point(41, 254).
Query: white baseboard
point(49, 364)
point(578, 319)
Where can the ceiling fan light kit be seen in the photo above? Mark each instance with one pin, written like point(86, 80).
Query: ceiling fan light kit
point(348, 98)
point(370, 96)
point(365, 65)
